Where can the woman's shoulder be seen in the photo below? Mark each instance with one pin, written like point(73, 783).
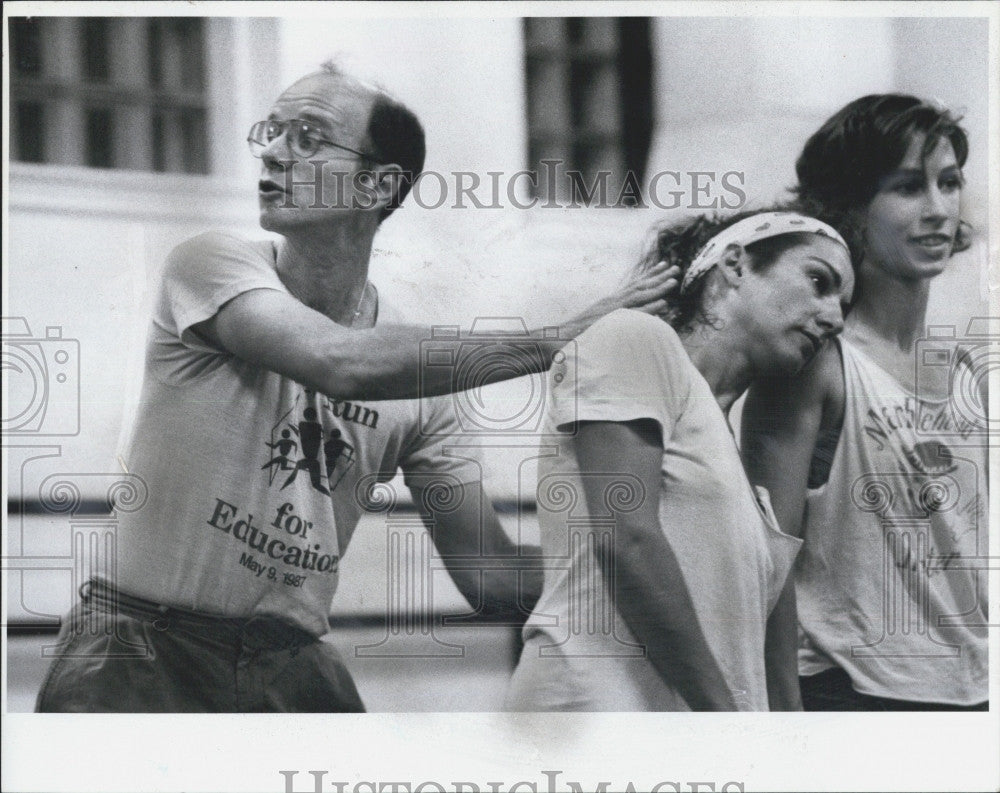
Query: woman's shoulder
point(633, 327)
point(630, 338)
point(817, 388)
point(820, 385)
point(630, 347)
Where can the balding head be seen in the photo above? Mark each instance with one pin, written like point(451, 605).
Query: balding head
point(361, 117)
point(394, 133)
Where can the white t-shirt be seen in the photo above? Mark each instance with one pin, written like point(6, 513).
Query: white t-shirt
point(579, 654)
point(886, 583)
point(255, 483)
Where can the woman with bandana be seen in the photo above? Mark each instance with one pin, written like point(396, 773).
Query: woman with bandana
point(662, 563)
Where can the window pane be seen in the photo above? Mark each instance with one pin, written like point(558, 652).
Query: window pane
point(155, 38)
point(575, 30)
point(117, 92)
point(176, 54)
point(635, 69)
point(29, 126)
point(96, 63)
point(26, 46)
point(193, 135)
point(545, 34)
point(189, 38)
point(159, 144)
point(589, 86)
point(100, 138)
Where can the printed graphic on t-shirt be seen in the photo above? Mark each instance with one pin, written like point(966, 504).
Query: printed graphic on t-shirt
point(299, 444)
point(284, 542)
point(930, 457)
point(930, 510)
point(925, 466)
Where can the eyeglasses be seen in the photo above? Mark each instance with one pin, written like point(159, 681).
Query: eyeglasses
point(303, 136)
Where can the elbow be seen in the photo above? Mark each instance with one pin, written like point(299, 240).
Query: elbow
point(629, 553)
point(635, 542)
point(365, 371)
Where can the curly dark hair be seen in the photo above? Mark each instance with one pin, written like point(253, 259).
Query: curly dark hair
point(678, 243)
point(842, 165)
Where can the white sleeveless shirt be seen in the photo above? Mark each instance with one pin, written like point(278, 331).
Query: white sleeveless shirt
point(887, 582)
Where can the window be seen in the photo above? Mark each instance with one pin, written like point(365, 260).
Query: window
point(589, 86)
point(109, 92)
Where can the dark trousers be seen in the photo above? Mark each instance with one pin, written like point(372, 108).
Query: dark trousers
point(118, 653)
point(832, 690)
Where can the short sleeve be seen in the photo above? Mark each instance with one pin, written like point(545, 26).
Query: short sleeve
point(204, 273)
point(435, 444)
point(626, 366)
point(439, 447)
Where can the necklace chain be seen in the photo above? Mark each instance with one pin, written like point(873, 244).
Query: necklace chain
point(361, 300)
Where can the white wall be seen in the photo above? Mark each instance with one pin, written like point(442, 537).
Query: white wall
point(945, 62)
point(736, 94)
point(462, 77)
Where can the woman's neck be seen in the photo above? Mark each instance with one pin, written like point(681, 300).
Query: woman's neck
point(890, 309)
point(724, 365)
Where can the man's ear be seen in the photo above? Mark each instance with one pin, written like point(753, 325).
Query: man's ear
point(386, 180)
point(731, 264)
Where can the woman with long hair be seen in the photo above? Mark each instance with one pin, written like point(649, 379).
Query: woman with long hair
point(662, 563)
point(866, 453)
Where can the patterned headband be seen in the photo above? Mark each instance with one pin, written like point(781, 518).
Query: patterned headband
point(751, 230)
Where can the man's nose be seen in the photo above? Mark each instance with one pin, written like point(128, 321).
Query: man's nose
point(277, 151)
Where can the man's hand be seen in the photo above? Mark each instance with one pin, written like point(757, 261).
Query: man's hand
point(501, 581)
point(646, 292)
point(272, 329)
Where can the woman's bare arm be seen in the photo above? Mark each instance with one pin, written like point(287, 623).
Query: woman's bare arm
point(649, 589)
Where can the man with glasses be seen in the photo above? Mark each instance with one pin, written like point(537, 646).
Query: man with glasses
point(267, 360)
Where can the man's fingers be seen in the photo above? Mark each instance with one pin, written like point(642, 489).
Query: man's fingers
point(657, 307)
point(661, 275)
point(663, 282)
point(652, 306)
point(648, 293)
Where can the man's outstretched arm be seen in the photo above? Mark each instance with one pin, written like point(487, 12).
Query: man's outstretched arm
point(272, 329)
point(501, 580)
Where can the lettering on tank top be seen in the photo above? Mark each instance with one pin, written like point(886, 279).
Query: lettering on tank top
point(923, 463)
point(913, 414)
